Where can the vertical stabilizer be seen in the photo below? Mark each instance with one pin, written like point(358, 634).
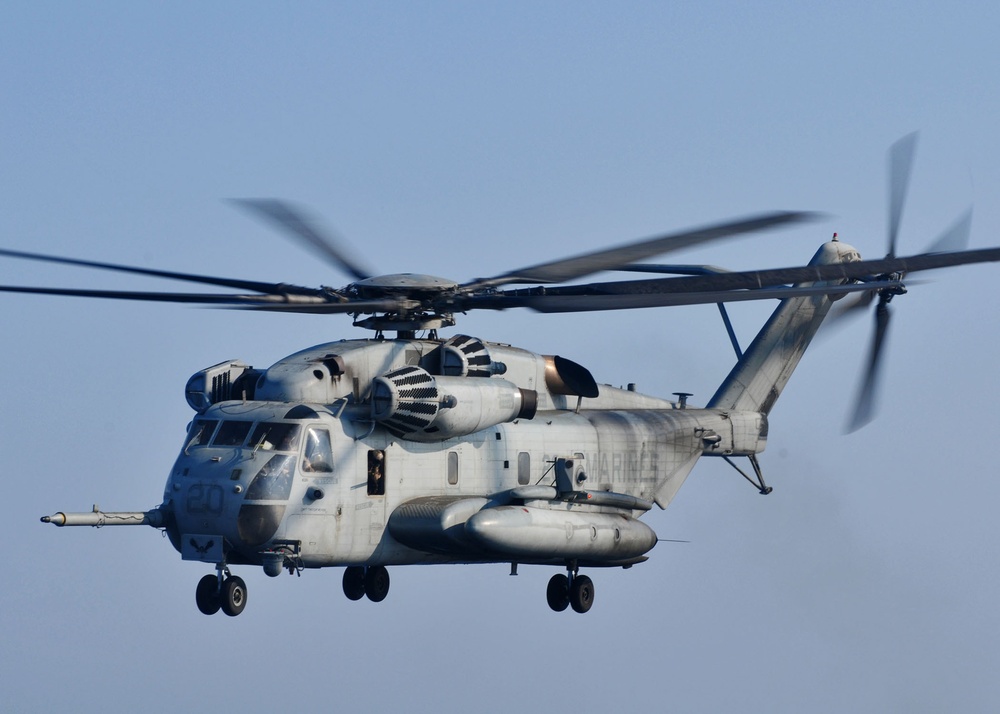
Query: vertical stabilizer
point(758, 378)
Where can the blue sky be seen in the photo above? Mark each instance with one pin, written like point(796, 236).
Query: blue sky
point(466, 139)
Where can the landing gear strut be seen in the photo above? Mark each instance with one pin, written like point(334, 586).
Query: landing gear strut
point(570, 589)
point(372, 581)
point(221, 591)
point(762, 488)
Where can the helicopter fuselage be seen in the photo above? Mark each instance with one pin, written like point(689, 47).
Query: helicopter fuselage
point(334, 481)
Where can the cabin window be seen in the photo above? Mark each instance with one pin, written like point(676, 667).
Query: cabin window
point(318, 455)
point(201, 432)
point(452, 467)
point(271, 436)
point(376, 472)
point(524, 468)
point(232, 433)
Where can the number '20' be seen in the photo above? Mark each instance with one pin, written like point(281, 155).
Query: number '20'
point(204, 499)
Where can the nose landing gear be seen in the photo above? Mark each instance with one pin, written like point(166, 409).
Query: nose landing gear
point(221, 591)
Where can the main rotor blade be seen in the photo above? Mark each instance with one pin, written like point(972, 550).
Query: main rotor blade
point(570, 268)
point(753, 279)
point(672, 269)
point(378, 305)
point(864, 408)
point(328, 303)
point(294, 223)
point(900, 165)
point(266, 288)
point(548, 302)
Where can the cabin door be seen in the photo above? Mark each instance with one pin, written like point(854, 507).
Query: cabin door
point(377, 472)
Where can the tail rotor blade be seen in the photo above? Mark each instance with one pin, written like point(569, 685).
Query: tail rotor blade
point(849, 308)
point(956, 238)
point(900, 164)
point(864, 408)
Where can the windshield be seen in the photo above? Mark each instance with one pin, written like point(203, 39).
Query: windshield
point(201, 432)
point(270, 436)
point(232, 433)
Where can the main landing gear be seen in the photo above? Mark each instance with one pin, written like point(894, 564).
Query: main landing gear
point(372, 580)
point(570, 589)
point(221, 591)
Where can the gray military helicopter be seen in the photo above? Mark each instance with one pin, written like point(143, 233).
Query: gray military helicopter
point(419, 448)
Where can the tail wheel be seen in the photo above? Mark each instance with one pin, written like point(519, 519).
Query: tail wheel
point(207, 595)
point(581, 593)
point(234, 595)
point(354, 582)
point(376, 583)
point(557, 592)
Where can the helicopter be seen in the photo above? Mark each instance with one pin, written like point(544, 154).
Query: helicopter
point(419, 448)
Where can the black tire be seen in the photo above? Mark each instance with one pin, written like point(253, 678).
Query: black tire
point(234, 596)
point(376, 583)
point(581, 593)
point(207, 595)
point(557, 592)
point(354, 582)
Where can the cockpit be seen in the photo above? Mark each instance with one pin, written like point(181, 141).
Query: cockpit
point(247, 464)
point(266, 436)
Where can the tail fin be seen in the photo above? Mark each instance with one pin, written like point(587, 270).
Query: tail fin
point(758, 378)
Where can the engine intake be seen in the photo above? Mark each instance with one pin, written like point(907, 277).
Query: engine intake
point(464, 356)
point(220, 383)
point(413, 404)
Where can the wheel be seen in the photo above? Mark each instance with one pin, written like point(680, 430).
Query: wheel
point(234, 595)
point(557, 593)
point(354, 583)
point(581, 593)
point(207, 595)
point(376, 583)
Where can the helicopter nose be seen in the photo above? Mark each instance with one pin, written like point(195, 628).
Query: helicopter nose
point(265, 501)
point(258, 522)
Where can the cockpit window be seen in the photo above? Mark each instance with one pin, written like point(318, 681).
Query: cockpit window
point(318, 456)
point(201, 432)
point(275, 437)
point(232, 433)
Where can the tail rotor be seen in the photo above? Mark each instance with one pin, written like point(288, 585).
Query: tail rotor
point(956, 238)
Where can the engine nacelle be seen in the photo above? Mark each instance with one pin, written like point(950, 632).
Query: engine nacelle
point(220, 383)
point(413, 404)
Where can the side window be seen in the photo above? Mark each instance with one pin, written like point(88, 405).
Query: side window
point(452, 467)
point(524, 468)
point(318, 456)
point(376, 472)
